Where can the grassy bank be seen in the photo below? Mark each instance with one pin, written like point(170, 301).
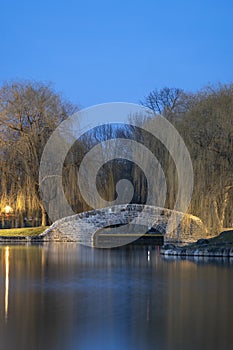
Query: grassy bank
point(22, 232)
point(225, 239)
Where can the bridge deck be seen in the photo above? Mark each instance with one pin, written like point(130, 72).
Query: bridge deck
point(83, 227)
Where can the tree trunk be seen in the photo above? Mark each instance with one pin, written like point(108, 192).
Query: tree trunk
point(224, 204)
point(221, 212)
point(43, 216)
point(216, 212)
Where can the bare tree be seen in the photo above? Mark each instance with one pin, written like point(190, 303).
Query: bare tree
point(166, 101)
point(29, 112)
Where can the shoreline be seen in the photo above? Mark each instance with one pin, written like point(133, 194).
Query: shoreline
point(219, 246)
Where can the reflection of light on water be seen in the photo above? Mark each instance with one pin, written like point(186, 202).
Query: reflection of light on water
point(148, 310)
point(7, 265)
point(148, 256)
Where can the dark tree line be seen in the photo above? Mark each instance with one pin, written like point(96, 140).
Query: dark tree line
point(29, 112)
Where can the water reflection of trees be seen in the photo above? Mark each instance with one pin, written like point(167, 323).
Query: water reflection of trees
point(66, 294)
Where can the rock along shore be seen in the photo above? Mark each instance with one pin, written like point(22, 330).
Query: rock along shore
point(219, 246)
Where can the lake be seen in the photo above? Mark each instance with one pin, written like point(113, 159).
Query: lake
point(67, 296)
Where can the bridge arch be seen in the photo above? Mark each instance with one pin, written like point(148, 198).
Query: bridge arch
point(83, 227)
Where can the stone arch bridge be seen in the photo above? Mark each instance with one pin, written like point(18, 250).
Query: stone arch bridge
point(128, 220)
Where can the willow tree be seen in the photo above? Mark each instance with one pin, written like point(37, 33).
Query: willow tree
point(209, 125)
point(29, 113)
point(205, 121)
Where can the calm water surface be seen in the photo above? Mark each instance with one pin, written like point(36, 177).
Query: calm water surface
point(66, 296)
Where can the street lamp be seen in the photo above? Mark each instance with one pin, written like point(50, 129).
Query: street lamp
point(8, 210)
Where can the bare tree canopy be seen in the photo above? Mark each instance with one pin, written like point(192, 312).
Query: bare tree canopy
point(29, 112)
point(165, 101)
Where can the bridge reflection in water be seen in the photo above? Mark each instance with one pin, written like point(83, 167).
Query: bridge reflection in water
point(67, 296)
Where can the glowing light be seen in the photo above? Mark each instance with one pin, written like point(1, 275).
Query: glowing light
point(8, 209)
point(7, 268)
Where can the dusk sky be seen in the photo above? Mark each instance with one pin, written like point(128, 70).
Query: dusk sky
point(105, 51)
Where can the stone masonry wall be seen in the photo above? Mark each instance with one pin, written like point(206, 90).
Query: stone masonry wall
point(82, 227)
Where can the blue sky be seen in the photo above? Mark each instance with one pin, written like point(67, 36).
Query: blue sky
point(104, 51)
